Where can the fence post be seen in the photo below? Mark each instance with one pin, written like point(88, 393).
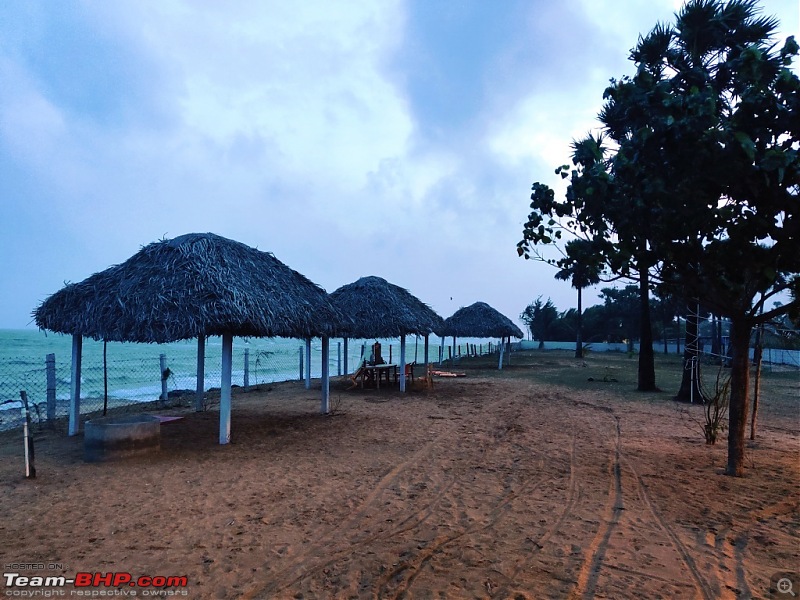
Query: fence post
point(162, 359)
point(308, 363)
point(246, 370)
point(75, 385)
point(300, 352)
point(50, 363)
point(201, 373)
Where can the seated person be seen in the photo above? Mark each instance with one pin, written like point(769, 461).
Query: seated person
point(375, 357)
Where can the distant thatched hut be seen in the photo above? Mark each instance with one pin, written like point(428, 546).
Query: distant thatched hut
point(481, 321)
point(192, 286)
point(379, 309)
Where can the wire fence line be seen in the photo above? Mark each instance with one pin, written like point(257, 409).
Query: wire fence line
point(171, 379)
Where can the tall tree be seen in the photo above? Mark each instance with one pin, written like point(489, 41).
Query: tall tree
point(722, 121)
point(703, 185)
point(581, 267)
point(540, 317)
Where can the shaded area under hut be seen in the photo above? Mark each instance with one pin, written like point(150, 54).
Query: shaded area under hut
point(193, 286)
point(480, 320)
point(379, 309)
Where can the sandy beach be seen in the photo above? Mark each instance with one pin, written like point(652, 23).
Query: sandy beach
point(488, 486)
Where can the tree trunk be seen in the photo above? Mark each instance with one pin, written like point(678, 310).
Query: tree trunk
point(579, 340)
point(716, 348)
point(740, 391)
point(757, 356)
point(647, 367)
point(690, 386)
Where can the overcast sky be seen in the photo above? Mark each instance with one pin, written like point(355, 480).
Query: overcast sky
point(390, 138)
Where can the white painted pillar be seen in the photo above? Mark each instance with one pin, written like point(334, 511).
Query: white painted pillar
point(225, 389)
point(326, 405)
point(201, 373)
point(75, 386)
point(308, 363)
point(403, 363)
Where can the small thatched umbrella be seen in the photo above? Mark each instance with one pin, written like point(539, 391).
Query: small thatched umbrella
point(379, 309)
point(481, 321)
point(192, 286)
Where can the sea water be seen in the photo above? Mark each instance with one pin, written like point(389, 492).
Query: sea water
point(133, 371)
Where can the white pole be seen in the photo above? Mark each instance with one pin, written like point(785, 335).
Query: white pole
point(225, 389)
point(201, 373)
point(308, 363)
point(326, 405)
point(75, 386)
point(25, 441)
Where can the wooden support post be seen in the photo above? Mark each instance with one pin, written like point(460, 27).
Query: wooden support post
point(326, 404)
point(403, 363)
point(30, 469)
point(508, 358)
point(500, 364)
point(225, 389)
point(246, 382)
point(427, 336)
point(308, 363)
point(50, 367)
point(75, 386)
point(390, 354)
point(300, 352)
point(339, 359)
point(346, 359)
point(199, 393)
point(162, 361)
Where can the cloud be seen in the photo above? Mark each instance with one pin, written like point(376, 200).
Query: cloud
point(397, 138)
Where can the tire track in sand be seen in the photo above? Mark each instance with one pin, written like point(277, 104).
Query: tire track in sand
point(541, 540)
point(335, 543)
point(595, 554)
point(701, 584)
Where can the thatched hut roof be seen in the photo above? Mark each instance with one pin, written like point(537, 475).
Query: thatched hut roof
point(479, 320)
point(379, 309)
point(192, 285)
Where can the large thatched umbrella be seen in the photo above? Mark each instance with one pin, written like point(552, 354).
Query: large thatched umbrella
point(192, 286)
point(379, 309)
point(481, 321)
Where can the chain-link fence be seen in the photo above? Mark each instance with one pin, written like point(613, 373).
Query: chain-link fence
point(162, 379)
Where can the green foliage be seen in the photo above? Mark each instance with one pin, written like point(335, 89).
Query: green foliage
point(540, 317)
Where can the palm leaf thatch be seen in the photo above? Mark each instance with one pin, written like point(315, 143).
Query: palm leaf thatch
point(379, 309)
point(198, 284)
point(479, 320)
